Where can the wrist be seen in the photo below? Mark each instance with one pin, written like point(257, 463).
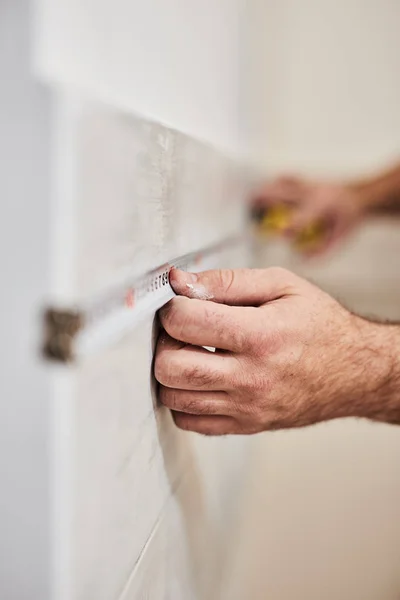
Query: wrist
point(366, 194)
point(377, 396)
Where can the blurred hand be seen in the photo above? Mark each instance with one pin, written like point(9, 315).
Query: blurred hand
point(337, 208)
point(288, 355)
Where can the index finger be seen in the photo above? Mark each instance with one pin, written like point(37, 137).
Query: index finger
point(203, 323)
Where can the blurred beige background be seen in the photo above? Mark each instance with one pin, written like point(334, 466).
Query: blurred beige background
point(323, 520)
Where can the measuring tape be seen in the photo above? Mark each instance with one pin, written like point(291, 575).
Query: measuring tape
point(70, 334)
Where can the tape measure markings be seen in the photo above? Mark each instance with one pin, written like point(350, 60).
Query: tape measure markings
point(76, 333)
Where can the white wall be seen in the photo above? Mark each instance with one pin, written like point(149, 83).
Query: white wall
point(24, 248)
point(176, 62)
point(326, 89)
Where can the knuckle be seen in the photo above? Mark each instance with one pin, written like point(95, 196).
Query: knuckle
point(210, 318)
point(199, 407)
point(254, 339)
point(268, 386)
point(169, 372)
point(280, 274)
point(227, 328)
point(287, 281)
point(269, 344)
point(201, 376)
point(241, 340)
point(168, 397)
point(181, 401)
point(255, 405)
point(254, 413)
point(174, 316)
point(252, 382)
point(226, 278)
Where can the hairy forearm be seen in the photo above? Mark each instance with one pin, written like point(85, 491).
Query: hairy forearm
point(381, 398)
point(381, 192)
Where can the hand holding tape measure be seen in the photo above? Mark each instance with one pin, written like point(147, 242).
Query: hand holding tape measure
point(277, 220)
point(313, 215)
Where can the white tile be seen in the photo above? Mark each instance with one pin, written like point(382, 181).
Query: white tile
point(142, 194)
point(122, 444)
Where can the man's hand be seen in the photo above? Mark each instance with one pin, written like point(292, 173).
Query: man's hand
point(336, 208)
point(288, 355)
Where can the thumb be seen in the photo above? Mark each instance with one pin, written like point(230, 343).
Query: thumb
point(236, 287)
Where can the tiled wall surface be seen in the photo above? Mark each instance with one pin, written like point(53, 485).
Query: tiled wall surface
point(142, 496)
point(144, 194)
